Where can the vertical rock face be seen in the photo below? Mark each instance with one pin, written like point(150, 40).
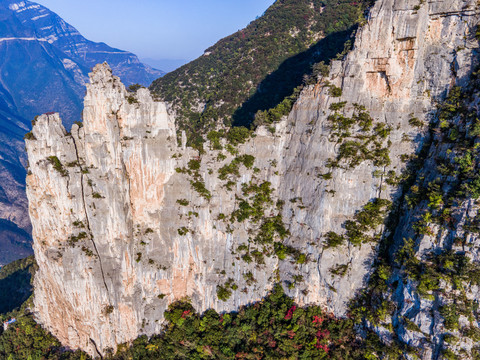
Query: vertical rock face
point(126, 220)
point(405, 58)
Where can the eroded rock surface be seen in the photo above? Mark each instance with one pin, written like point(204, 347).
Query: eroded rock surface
point(127, 220)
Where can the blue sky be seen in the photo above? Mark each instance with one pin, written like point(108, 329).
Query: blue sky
point(158, 29)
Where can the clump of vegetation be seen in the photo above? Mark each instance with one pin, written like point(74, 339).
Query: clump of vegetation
point(332, 240)
point(413, 121)
point(135, 87)
point(74, 239)
point(225, 291)
point(199, 187)
point(238, 135)
point(183, 231)
point(132, 100)
point(339, 270)
point(335, 91)
point(234, 167)
point(367, 144)
point(215, 139)
point(57, 165)
point(96, 195)
point(108, 309)
point(29, 136)
point(361, 229)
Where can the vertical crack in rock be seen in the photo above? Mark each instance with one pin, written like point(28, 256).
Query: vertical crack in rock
point(86, 216)
point(98, 353)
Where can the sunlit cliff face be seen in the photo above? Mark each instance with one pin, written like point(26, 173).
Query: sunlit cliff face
point(127, 220)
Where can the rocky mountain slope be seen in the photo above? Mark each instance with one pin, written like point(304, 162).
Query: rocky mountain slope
point(15, 228)
point(127, 219)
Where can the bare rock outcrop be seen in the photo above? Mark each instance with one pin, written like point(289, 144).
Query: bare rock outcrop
point(126, 219)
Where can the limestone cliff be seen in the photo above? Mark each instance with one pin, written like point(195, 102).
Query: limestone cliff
point(126, 219)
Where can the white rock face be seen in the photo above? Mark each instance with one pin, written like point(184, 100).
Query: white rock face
point(120, 232)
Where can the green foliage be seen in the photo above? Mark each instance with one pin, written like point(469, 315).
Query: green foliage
point(338, 106)
point(413, 121)
point(183, 231)
point(183, 202)
point(73, 239)
point(29, 136)
point(15, 283)
point(366, 145)
point(275, 328)
point(276, 113)
point(57, 165)
point(233, 168)
point(214, 137)
point(359, 230)
point(225, 291)
point(108, 309)
point(450, 316)
point(34, 121)
point(238, 135)
point(254, 207)
point(339, 270)
point(132, 100)
point(26, 340)
point(194, 164)
point(332, 240)
point(258, 67)
point(335, 91)
point(135, 87)
point(199, 187)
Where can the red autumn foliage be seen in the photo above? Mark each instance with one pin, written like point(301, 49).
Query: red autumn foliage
point(290, 312)
point(318, 320)
point(322, 334)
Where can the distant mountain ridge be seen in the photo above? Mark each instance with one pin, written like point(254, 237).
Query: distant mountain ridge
point(51, 61)
point(44, 65)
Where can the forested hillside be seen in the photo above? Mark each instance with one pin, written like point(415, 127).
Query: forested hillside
point(257, 67)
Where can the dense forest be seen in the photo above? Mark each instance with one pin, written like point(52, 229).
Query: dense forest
point(256, 68)
point(275, 328)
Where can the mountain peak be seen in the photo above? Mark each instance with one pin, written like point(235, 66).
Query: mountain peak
point(44, 67)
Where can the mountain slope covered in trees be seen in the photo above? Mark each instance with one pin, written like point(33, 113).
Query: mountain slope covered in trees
point(257, 67)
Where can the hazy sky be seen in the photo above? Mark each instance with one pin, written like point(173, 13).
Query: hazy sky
point(172, 29)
